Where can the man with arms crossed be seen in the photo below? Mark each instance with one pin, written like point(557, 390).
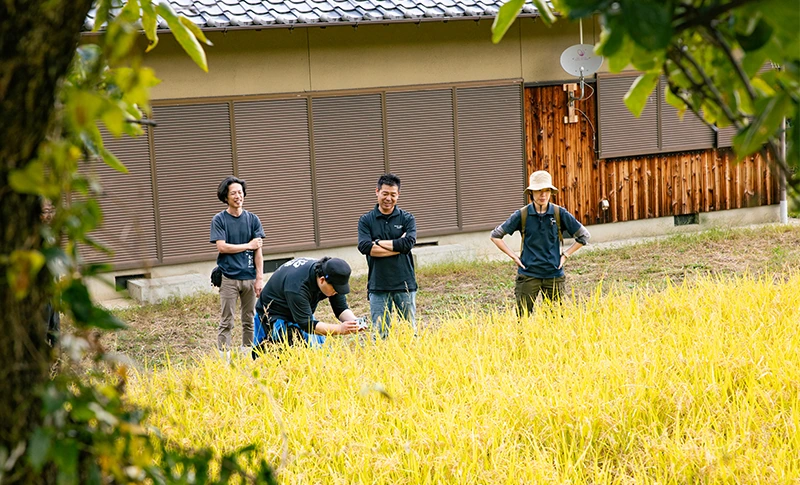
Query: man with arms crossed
point(541, 264)
point(287, 304)
point(386, 235)
point(237, 235)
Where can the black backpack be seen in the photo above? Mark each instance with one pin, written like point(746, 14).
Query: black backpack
point(216, 276)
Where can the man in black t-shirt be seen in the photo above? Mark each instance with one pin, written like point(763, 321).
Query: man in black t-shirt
point(287, 304)
point(237, 235)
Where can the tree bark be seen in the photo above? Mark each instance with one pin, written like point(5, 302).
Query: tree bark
point(37, 43)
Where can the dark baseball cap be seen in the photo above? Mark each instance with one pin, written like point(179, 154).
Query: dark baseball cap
point(337, 273)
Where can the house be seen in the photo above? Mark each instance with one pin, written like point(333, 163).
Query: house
point(310, 101)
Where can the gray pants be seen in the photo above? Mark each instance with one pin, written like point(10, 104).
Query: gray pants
point(229, 291)
point(381, 305)
point(527, 289)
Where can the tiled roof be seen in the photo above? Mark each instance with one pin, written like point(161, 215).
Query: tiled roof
point(239, 14)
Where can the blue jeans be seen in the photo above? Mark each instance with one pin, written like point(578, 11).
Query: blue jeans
point(383, 303)
point(281, 330)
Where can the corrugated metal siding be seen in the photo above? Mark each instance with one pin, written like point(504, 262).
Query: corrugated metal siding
point(490, 150)
point(349, 158)
point(422, 154)
point(128, 227)
point(622, 134)
point(689, 133)
point(725, 136)
point(274, 157)
point(193, 154)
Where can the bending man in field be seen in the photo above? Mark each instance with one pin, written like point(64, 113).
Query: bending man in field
point(288, 301)
point(541, 262)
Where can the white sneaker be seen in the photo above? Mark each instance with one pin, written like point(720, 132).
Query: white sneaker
point(225, 355)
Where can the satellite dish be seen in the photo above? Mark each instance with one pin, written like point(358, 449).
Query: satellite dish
point(580, 60)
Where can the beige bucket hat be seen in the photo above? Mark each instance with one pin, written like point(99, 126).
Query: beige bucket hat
point(539, 180)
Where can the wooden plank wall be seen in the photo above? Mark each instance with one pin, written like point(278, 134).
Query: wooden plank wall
point(636, 187)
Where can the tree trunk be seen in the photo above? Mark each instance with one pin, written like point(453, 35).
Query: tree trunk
point(37, 43)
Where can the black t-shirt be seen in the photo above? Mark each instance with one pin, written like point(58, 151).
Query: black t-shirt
point(292, 294)
point(236, 230)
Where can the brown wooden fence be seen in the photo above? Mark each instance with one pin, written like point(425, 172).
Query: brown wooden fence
point(636, 187)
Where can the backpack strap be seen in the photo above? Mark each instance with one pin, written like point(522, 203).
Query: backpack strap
point(524, 214)
point(557, 215)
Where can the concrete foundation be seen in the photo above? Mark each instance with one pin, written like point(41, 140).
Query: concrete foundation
point(182, 280)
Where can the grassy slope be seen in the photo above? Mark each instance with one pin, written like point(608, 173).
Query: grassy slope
point(187, 328)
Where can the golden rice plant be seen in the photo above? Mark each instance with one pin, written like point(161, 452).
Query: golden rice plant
point(698, 383)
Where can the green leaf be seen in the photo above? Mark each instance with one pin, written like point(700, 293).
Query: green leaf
point(38, 447)
point(766, 124)
point(23, 266)
point(150, 24)
point(674, 101)
point(636, 97)
point(757, 39)
point(184, 36)
point(649, 23)
point(29, 179)
point(505, 17)
point(65, 456)
point(612, 39)
point(115, 118)
point(195, 30)
point(112, 161)
point(622, 58)
point(545, 12)
point(76, 298)
point(101, 15)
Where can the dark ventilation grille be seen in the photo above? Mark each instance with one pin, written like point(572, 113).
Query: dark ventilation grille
point(422, 154)
point(193, 154)
point(273, 153)
point(621, 133)
point(490, 150)
point(689, 133)
point(348, 148)
point(128, 227)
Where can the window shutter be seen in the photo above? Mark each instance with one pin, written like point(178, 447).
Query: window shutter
point(274, 158)
point(689, 133)
point(349, 158)
point(422, 154)
point(725, 136)
point(128, 226)
point(490, 151)
point(621, 133)
point(193, 154)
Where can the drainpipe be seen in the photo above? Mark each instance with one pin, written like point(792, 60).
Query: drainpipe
point(784, 207)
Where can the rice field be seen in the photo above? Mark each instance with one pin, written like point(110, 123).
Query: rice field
point(693, 383)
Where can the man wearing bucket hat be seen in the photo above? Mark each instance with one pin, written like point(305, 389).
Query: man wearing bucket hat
point(541, 261)
point(287, 303)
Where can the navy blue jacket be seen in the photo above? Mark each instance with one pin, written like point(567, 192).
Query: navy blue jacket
point(392, 273)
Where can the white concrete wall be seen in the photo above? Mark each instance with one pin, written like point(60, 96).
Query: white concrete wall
point(466, 246)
